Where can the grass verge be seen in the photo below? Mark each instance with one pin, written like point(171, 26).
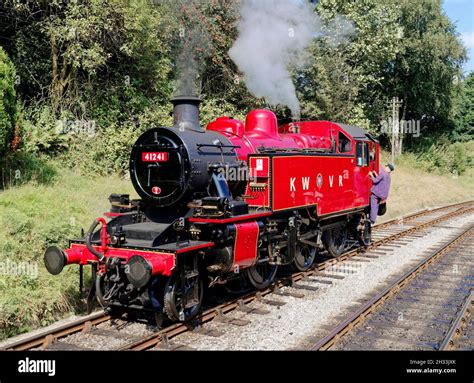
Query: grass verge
point(414, 188)
point(33, 217)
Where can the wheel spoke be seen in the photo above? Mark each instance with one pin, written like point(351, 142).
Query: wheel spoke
point(304, 258)
point(183, 305)
point(262, 275)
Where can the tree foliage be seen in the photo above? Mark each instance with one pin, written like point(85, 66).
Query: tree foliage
point(400, 48)
point(116, 63)
point(344, 82)
point(464, 115)
point(428, 65)
point(8, 103)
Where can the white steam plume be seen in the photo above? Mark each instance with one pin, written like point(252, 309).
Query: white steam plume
point(273, 35)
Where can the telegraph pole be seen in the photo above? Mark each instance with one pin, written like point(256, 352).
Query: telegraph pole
point(395, 105)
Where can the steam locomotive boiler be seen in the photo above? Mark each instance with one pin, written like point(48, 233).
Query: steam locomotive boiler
point(233, 201)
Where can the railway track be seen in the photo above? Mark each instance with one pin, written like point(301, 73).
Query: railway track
point(415, 311)
point(460, 335)
point(98, 328)
point(422, 213)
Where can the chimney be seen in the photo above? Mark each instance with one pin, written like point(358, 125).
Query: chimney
point(186, 112)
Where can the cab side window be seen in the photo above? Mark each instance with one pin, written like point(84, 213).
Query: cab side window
point(372, 152)
point(362, 154)
point(344, 143)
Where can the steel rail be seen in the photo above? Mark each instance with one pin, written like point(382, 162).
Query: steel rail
point(459, 324)
point(359, 316)
point(43, 338)
point(421, 213)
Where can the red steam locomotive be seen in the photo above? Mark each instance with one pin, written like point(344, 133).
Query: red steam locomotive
point(232, 201)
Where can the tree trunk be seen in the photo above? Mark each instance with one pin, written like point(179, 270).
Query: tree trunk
point(54, 64)
point(61, 77)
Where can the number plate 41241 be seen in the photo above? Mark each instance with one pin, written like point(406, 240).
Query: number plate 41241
point(155, 156)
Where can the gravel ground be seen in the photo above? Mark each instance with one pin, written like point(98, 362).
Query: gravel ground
point(466, 341)
point(302, 320)
point(40, 330)
point(109, 335)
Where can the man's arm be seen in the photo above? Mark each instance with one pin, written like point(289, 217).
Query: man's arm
point(376, 178)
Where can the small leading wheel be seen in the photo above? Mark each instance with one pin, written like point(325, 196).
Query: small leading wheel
point(304, 258)
point(260, 276)
point(336, 240)
point(183, 298)
point(365, 235)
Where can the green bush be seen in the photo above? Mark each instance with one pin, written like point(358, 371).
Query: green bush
point(448, 158)
point(443, 158)
point(107, 153)
point(212, 109)
point(22, 167)
point(42, 130)
point(8, 106)
point(98, 145)
point(460, 158)
point(107, 150)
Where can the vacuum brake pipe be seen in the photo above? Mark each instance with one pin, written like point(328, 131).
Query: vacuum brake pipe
point(55, 259)
point(100, 256)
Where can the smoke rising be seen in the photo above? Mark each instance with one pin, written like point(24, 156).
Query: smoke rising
point(195, 46)
point(273, 35)
point(190, 62)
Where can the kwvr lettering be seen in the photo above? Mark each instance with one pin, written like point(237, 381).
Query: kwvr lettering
point(306, 182)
